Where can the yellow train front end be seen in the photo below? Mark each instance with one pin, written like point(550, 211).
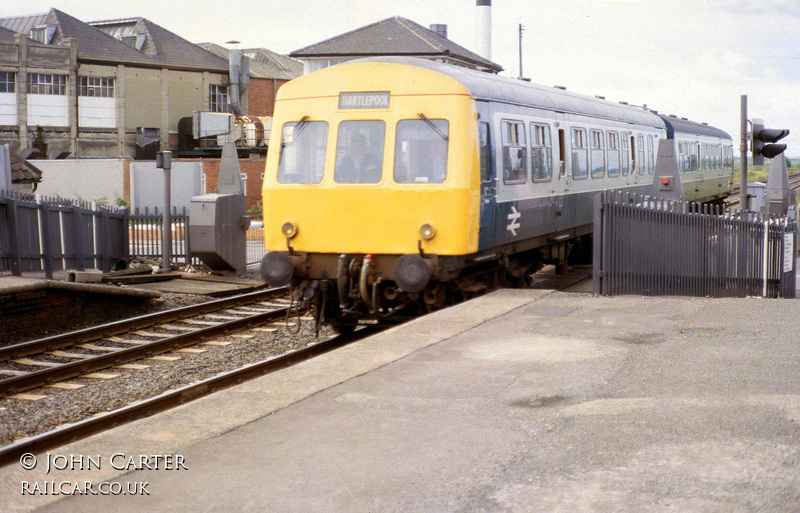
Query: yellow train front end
point(372, 178)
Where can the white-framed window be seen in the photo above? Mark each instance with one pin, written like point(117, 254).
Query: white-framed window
point(43, 33)
point(40, 83)
point(243, 176)
point(8, 98)
point(515, 152)
point(8, 82)
point(580, 154)
point(97, 87)
point(598, 154)
point(47, 100)
point(625, 153)
point(541, 153)
point(218, 98)
point(613, 154)
point(97, 106)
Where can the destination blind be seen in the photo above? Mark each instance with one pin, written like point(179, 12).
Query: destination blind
point(365, 100)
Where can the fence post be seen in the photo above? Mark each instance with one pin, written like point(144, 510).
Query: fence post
point(103, 241)
point(13, 237)
point(77, 227)
point(44, 236)
point(186, 245)
point(597, 243)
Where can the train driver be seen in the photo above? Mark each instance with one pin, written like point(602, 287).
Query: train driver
point(358, 166)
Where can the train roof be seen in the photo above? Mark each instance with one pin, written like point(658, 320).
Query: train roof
point(682, 125)
point(491, 87)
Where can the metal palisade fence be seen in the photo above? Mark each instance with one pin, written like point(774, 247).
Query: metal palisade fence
point(47, 234)
point(41, 234)
point(650, 246)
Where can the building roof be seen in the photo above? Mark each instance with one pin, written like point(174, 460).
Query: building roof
point(163, 48)
point(6, 35)
point(395, 36)
point(263, 63)
point(23, 171)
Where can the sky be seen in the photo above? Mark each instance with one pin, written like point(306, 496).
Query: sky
point(691, 58)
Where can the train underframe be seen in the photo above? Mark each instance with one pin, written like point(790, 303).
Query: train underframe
point(344, 290)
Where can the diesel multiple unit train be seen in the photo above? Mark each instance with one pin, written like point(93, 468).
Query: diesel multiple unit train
point(394, 184)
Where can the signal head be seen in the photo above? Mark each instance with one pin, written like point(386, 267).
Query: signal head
point(762, 139)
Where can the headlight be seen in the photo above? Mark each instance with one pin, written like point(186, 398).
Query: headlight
point(289, 229)
point(427, 231)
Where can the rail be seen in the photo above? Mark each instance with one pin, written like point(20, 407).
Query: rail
point(148, 407)
point(129, 349)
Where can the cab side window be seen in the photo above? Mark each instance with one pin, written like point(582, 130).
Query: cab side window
point(485, 152)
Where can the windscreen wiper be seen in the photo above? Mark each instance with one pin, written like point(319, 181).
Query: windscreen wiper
point(432, 125)
point(298, 127)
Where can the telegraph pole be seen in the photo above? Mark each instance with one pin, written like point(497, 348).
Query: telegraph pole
point(521, 30)
point(743, 196)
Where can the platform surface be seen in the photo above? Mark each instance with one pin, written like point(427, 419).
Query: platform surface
point(519, 401)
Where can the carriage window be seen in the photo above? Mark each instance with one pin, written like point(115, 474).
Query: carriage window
point(625, 153)
point(486, 152)
point(651, 159)
point(613, 154)
point(598, 154)
point(515, 152)
point(420, 151)
point(580, 156)
point(302, 158)
point(541, 153)
point(693, 155)
point(359, 152)
point(640, 162)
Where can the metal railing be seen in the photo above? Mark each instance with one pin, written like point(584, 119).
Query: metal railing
point(42, 234)
point(649, 246)
point(145, 235)
point(46, 234)
point(145, 230)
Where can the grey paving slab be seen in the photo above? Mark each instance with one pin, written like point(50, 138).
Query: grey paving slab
point(520, 401)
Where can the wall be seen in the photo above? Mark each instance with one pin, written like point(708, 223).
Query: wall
point(147, 184)
point(253, 169)
point(86, 179)
point(140, 182)
point(185, 95)
point(261, 96)
point(34, 314)
point(142, 98)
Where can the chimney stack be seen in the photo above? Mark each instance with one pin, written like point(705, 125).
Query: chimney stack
point(484, 29)
point(440, 30)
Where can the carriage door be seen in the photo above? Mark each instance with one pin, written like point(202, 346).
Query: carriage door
point(487, 234)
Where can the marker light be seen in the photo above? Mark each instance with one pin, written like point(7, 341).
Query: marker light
point(289, 229)
point(427, 231)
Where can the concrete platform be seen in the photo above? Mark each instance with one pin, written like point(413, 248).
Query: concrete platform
point(519, 401)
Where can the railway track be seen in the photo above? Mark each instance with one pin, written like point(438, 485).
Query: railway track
point(733, 201)
point(171, 399)
point(50, 360)
point(164, 401)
